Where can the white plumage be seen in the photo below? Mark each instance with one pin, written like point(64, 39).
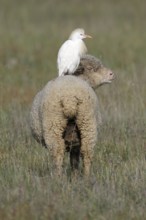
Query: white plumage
point(71, 51)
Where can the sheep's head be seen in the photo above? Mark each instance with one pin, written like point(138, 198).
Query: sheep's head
point(92, 70)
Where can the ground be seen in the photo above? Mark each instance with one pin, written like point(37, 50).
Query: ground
point(31, 33)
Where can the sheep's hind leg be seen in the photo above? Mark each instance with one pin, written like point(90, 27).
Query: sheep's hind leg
point(55, 144)
point(58, 157)
point(57, 154)
point(88, 141)
point(87, 161)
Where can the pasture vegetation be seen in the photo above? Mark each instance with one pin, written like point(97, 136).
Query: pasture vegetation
point(31, 33)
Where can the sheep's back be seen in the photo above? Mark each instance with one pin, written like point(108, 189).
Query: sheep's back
point(65, 94)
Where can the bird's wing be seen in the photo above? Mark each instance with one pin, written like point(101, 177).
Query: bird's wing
point(68, 57)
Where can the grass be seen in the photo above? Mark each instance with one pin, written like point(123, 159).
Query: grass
point(31, 33)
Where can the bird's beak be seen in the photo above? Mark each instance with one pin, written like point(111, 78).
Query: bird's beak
point(87, 36)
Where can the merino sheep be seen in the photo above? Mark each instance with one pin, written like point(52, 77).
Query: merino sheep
point(65, 114)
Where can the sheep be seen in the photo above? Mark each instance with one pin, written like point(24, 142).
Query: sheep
point(65, 114)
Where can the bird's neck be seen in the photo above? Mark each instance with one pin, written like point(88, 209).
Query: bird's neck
point(76, 39)
point(80, 46)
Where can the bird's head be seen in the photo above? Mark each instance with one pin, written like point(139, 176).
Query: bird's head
point(79, 34)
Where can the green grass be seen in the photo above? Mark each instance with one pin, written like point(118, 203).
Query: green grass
point(31, 33)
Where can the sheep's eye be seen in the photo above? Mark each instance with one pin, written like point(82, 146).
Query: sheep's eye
point(97, 68)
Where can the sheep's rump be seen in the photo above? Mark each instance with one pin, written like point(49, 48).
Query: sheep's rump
point(63, 99)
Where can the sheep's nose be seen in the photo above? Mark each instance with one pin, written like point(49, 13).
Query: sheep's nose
point(111, 73)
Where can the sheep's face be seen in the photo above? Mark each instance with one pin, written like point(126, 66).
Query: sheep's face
point(100, 76)
point(92, 71)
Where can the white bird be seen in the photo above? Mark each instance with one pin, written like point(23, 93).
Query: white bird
point(71, 51)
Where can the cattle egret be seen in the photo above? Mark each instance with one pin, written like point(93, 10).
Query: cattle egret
point(71, 51)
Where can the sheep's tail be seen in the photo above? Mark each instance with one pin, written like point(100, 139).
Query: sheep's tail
point(70, 106)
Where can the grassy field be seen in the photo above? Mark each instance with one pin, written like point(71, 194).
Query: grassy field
point(31, 33)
